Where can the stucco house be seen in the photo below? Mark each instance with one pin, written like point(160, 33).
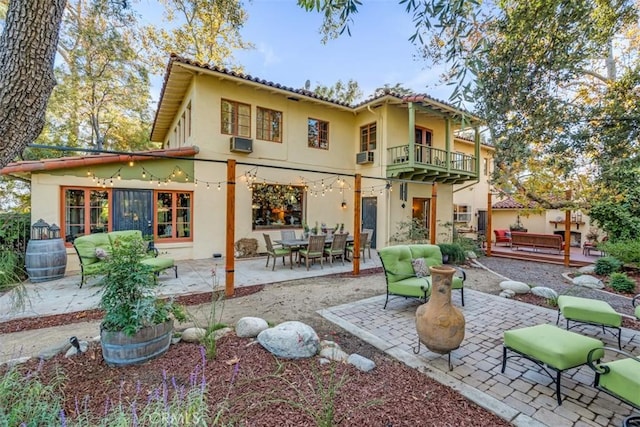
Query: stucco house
point(297, 157)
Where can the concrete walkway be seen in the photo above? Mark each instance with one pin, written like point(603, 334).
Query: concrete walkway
point(524, 394)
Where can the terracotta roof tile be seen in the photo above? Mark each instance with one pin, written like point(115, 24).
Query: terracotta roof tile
point(92, 160)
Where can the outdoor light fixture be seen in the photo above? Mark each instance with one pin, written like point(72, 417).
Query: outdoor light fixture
point(344, 204)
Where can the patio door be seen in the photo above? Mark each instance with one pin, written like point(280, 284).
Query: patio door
point(133, 210)
point(482, 222)
point(370, 216)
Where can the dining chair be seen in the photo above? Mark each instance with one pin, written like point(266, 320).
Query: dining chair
point(363, 246)
point(290, 235)
point(337, 248)
point(369, 232)
point(314, 250)
point(276, 252)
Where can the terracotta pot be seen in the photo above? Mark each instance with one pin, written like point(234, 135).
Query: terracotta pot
point(440, 325)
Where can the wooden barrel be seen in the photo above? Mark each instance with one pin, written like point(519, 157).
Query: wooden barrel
point(119, 349)
point(45, 259)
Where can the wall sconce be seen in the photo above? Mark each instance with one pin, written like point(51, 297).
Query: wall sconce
point(343, 205)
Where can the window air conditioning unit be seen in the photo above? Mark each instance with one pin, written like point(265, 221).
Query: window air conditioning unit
point(241, 145)
point(364, 157)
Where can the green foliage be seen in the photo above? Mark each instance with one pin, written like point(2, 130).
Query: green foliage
point(607, 265)
point(627, 251)
point(619, 215)
point(25, 400)
point(15, 230)
point(621, 283)
point(553, 302)
point(347, 93)
point(128, 298)
point(410, 231)
point(468, 244)
point(454, 251)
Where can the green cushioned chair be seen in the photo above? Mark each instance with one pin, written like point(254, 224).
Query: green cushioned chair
point(636, 303)
point(401, 277)
point(550, 346)
point(87, 247)
point(619, 378)
point(590, 311)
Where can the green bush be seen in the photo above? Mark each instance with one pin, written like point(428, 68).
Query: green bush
point(454, 251)
point(627, 251)
point(621, 283)
point(607, 265)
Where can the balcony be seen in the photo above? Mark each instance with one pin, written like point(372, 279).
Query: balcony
point(430, 164)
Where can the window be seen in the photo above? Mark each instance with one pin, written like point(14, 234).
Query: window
point(269, 125)
point(485, 164)
point(236, 118)
point(85, 211)
point(173, 215)
point(318, 134)
point(368, 135)
point(461, 213)
point(277, 206)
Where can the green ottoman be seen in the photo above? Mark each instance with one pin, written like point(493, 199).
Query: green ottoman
point(590, 311)
point(549, 345)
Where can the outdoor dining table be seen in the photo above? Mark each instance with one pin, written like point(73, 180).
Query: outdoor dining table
point(298, 243)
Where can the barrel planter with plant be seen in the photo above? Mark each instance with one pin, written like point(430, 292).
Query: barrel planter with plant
point(137, 325)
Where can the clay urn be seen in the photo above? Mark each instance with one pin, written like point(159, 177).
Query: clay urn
point(440, 325)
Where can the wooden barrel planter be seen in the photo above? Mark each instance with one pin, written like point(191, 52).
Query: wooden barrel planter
point(119, 349)
point(45, 259)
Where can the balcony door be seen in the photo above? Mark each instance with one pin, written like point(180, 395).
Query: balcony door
point(423, 145)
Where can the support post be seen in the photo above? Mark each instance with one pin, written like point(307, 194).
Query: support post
point(567, 233)
point(229, 267)
point(489, 230)
point(432, 215)
point(357, 225)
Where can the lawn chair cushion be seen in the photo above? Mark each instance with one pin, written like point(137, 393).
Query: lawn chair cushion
point(623, 379)
point(588, 310)
point(553, 346)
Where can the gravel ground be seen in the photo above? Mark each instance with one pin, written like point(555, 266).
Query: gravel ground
point(550, 275)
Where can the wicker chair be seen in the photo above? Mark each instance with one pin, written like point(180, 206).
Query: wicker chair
point(315, 250)
point(276, 252)
point(337, 248)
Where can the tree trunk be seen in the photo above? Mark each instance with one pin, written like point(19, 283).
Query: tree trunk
point(27, 52)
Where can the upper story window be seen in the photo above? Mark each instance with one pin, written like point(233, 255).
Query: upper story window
point(268, 124)
point(236, 118)
point(368, 137)
point(318, 134)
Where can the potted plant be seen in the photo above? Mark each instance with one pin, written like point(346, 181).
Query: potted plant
point(315, 229)
point(452, 253)
point(305, 229)
point(137, 325)
point(342, 227)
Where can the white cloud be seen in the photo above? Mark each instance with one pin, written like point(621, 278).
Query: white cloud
point(269, 57)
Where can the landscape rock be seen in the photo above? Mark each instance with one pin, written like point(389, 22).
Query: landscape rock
point(290, 340)
point(361, 363)
point(507, 294)
point(193, 334)
point(334, 353)
point(219, 333)
point(588, 281)
point(588, 269)
point(517, 287)
point(544, 292)
point(250, 327)
point(50, 352)
point(471, 255)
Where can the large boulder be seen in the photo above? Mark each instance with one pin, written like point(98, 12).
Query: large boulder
point(250, 327)
point(517, 287)
point(290, 340)
point(588, 281)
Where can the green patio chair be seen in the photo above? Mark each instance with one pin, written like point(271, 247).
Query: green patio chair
point(636, 303)
point(276, 252)
point(620, 378)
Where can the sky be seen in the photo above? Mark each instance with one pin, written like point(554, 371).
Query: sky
point(289, 50)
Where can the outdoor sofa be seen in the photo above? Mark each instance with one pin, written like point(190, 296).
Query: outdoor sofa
point(402, 280)
point(93, 249)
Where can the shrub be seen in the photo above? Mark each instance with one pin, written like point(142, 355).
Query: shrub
point(627, 251)
point(454, 251)
point(621, 283)
point(607, 265)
